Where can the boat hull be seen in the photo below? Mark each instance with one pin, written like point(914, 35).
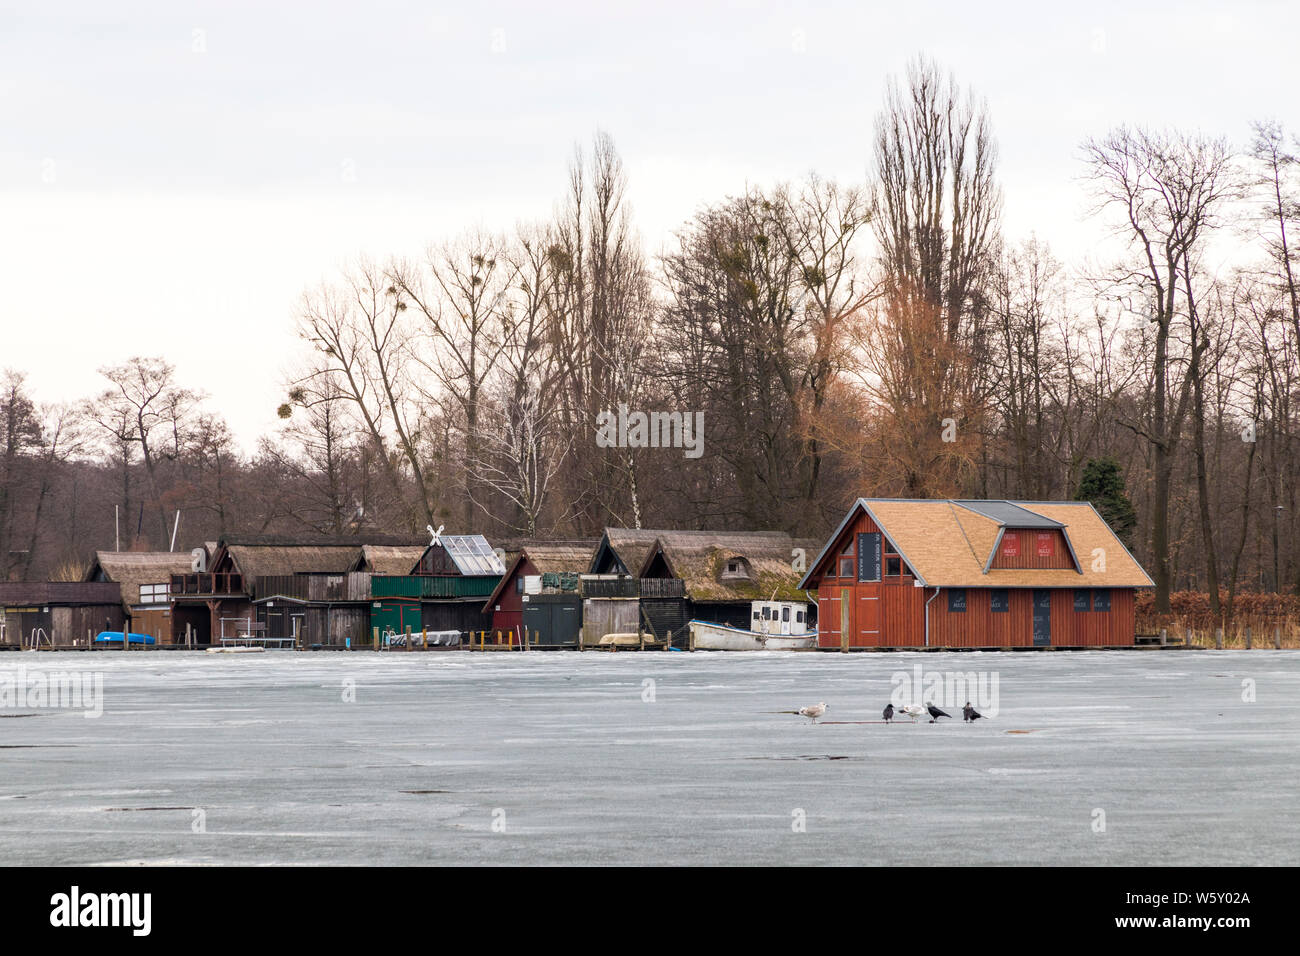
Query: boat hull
point(707, 636)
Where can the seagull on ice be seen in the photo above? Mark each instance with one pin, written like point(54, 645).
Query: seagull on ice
point(936, 713)
point(913, 710)
point(970, 713)
point(813, 710)
point(889, 712)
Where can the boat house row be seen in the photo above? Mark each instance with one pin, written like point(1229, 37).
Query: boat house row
point(895, 573)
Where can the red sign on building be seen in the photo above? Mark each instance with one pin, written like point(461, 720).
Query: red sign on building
point(1045, 548)
point(1011, 545)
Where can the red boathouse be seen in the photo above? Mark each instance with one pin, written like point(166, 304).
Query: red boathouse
point(960, 573)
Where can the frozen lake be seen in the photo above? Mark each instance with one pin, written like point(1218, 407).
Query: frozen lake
point(544, 758)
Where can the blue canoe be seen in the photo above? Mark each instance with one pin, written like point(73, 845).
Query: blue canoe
point(115, 637)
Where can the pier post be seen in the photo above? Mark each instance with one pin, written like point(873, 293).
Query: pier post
point(374, 638)
point(1218, 638)
point(408, 637)
point(1277, 636)
point(1248, 641)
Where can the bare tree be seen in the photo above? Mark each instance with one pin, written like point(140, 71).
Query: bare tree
point(360, 331)
point(1277, 179)
point(937, 208)
point(521, 451)
point(462, 294)
point(146, 408)
point(599, 313)
point(1168, 189)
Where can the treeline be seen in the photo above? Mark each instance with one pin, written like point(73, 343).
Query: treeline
point(885, 338)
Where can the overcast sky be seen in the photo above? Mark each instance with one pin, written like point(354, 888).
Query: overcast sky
point(173, 175)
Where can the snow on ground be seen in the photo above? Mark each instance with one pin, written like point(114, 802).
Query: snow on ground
point(573, 758)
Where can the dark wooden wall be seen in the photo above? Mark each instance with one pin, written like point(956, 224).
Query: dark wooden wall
point(436, 560)
point(463, 616)
point(155, 621)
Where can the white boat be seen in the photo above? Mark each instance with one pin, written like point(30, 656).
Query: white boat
point(775, 626)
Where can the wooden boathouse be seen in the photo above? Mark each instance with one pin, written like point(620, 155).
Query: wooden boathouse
point(443, 591)
point(223, 601)
point(39, 614)
point(540, 589)
point(145, 578)
point(974, 573)
point(668, 577)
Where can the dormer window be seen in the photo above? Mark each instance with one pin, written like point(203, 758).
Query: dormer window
point(736, 568)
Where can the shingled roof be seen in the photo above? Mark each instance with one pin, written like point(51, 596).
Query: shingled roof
point(948, 543)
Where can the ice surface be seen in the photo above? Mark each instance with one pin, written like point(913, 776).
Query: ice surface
point(562, 752)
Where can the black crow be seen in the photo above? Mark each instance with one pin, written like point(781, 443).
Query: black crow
point(970, 713)
point(889, 712)
point(936, 713)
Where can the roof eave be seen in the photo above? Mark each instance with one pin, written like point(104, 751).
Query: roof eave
point(997, 543)
point(864, 504)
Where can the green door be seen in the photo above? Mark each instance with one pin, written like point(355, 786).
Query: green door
point(395, 614)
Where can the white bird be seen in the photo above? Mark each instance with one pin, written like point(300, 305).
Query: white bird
point(914, 711)
point(813, 711)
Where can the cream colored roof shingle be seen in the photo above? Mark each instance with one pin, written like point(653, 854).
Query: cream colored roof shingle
point(948, 545)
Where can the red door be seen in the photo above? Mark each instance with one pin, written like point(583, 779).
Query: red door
point(866, 616)
point(828, 618)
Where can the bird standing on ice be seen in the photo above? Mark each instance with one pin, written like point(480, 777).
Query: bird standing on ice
point(913, 710)
point(936, 713)
point(970, 713)
point(813, 711)
point(888, 713)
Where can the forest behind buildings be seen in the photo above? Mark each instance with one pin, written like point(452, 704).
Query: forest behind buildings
point(834, 339)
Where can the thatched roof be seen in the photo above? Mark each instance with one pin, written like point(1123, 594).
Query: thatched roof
point(388, 558)
point(556, 556)
point(264, 560)
point(700, 558)
point(630, 545)
point(134, 568)
point(548, 557)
